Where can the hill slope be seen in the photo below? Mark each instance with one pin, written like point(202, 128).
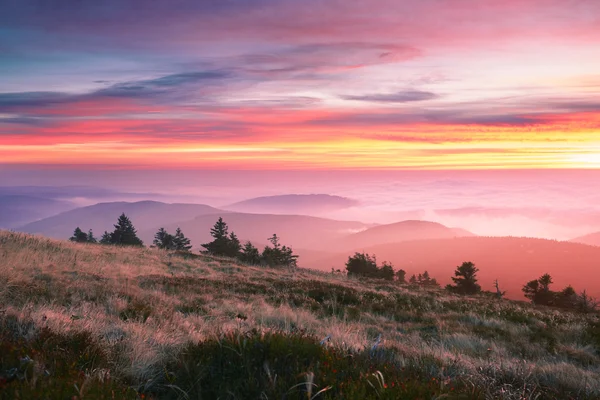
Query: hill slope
point(299, 231)
point(101, 320)
point(398, 232)
point(17, 209)
point(100, 217)
point(593, 239)
point(513, 261)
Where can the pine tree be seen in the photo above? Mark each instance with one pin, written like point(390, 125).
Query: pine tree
point(278, 256)
point(386, 271)
point(221, 245)
point(106, 238)
point(465, 279)
point(362, 264)
point(181, 242)
point(164, 240)
point(124, 233)
point(250, 254)
point(91, 238)
point(79, 236)
point(234, 246)
point(413, 279)
point(401, 276)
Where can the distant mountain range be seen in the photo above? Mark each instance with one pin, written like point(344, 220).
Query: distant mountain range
point(299, 231)
point(146, 215)
point(19, 209)
point(312, 204)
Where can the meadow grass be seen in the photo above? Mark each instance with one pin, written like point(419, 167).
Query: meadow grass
point(90, 321)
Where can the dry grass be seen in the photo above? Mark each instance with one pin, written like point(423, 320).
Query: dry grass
point(145, 306)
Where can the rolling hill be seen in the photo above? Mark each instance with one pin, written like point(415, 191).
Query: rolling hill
point(19, 209)
point(593, 239)
point(398, 232)
point(196, 220)
point(100, 217)
point(512, 260)
point(298, 231)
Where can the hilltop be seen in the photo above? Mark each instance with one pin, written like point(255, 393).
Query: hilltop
point(90, 321)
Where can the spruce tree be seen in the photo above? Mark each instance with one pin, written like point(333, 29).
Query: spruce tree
point(106, 238)
point(401, 276)
point(79, 236)
point(124, 233)
point(250, 254)
point(181, 242)
point(91, 238)
point(164, 240)
point(234, 247)
point(465, 279)
point(221, 245)
point(386, 271)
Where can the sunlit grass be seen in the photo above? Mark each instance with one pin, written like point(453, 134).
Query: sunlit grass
point(179, 326)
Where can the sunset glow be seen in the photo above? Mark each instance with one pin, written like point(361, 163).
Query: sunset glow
point(275, 85)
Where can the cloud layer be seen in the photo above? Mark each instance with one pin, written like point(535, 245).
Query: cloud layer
point(325, 84)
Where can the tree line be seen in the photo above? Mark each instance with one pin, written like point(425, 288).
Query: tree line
point(466, 283)
point(363, 265)
point(224, 243)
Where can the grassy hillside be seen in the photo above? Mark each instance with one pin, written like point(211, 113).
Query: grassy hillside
point(88, 321)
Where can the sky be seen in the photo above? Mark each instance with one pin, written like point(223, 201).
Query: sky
point(299, 85)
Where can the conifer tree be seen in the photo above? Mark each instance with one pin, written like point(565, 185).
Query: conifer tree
point(181, 242)
point(465, 279)
point(250, 254)
point(124, 233)
point(91, 238)
point(401, 276)
point(221, 245)
point(386, 271)
point(79, 236)
point(164, 240)
point(105, 239)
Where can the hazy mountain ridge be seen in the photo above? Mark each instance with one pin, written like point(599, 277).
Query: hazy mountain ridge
point(19, 209)
point(313, 204)
point(398, 232)
point(592, 239)
point(100, 217)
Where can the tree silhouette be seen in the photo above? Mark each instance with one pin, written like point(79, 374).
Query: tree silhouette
point(220, 245)
point(401, 276)
point(279, 255)
point(105, 239)
point(538, 290)
point(465, 279)
point(362, 264)
point(91, 238)
point(124, 233)
point(386, 271)
point(250, 254)
point(181, 242)
point(164, 240)
point(234, 246)
point(79, 236)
